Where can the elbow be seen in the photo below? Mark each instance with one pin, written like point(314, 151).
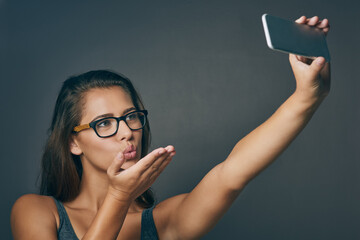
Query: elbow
point(232, 180)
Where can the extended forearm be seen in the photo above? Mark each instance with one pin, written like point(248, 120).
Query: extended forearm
point(261, 147)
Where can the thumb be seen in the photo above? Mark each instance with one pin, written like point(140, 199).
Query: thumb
point(317, 65)
point(116, 164)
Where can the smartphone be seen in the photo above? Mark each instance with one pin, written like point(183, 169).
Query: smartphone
point(291, 37)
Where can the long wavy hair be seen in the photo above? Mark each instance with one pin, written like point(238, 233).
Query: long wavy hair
point(61, 170)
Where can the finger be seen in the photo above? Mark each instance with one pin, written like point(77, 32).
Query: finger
point(303, 59)
point(156, 166)
point(326, 30)
point(317, 65)
point(302, 19)
point(170, 148)
point(147, 161)
point(116, 164)
point(166, 161)
point(296, 59)
point(291, 58)
point(155, 172)
point(157, 163)
point(158, 155)
point(323, 24)
point(313, 21)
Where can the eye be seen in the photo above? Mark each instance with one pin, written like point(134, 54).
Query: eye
point(132, 117)
point(104, 123)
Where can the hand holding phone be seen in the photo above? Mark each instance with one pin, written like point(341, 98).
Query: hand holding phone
point(312, 74)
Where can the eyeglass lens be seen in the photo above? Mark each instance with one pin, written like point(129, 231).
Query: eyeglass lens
point(109, 126)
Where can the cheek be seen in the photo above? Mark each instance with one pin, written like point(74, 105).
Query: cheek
point(99, 153)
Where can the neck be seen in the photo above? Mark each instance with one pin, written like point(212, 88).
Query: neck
point(93, 189)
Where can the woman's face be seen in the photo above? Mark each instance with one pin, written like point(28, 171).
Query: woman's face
point(100, 152)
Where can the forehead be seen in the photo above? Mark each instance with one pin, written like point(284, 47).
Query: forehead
point(98, 101)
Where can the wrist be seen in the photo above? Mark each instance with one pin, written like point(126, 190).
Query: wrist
point(308, 99)
point(119, 196)
point(300, 106)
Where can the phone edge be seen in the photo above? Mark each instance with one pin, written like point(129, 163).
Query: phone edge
point(266, 30)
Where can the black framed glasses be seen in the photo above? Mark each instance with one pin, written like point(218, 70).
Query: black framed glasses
point(107, 127)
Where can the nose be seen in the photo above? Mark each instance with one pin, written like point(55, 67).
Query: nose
point(124, 132)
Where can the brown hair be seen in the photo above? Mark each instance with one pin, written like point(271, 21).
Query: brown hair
point(61, 170)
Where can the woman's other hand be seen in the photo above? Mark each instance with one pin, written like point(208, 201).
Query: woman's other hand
point(312, 75)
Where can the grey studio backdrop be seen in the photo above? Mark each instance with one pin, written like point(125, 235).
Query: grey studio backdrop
point(207, 78)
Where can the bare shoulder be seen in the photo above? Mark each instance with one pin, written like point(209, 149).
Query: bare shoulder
point(163, 212)
point(170, 203)
point(34, 216)
point(30, 204)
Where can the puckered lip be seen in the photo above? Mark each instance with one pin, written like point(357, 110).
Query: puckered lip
point(130, 152)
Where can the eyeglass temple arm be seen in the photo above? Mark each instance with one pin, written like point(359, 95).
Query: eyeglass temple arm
point(81, 127)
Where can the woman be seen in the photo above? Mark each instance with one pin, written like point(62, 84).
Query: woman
point(98, 173)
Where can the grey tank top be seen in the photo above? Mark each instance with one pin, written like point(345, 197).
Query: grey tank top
point(66, 231)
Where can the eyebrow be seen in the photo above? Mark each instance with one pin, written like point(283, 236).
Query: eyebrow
point(111, 115)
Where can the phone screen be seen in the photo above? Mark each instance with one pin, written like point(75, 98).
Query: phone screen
point(291, 37)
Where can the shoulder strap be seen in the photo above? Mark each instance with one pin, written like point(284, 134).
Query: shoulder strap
point(148, 228)
point(65, 230)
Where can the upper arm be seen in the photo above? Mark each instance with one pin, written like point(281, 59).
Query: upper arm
point(190, 216)
point(32, 218)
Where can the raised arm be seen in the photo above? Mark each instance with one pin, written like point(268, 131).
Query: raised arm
point(197, 212)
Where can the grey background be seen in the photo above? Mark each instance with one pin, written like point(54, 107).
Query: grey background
point(207, 77)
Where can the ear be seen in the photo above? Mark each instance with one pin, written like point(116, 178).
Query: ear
point(74, 147)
